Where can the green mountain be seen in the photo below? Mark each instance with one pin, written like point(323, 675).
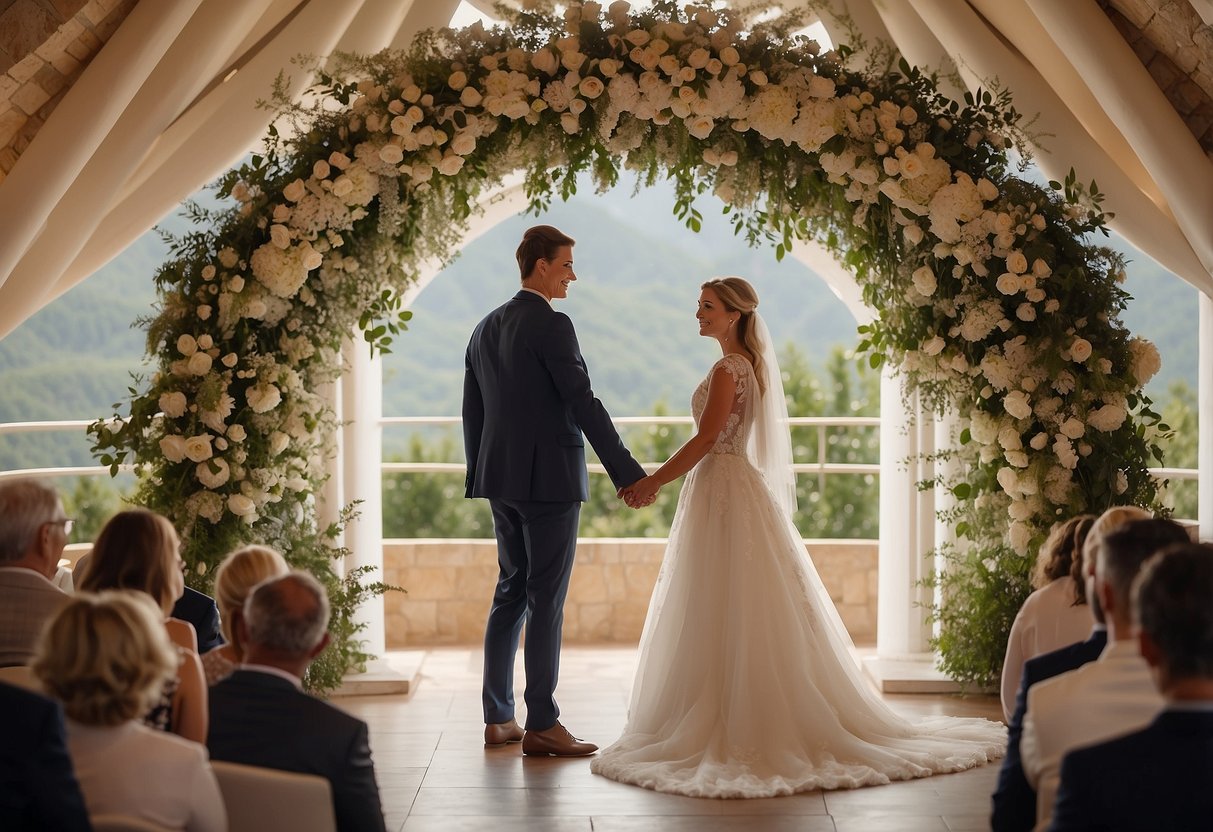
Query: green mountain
point(639, 274)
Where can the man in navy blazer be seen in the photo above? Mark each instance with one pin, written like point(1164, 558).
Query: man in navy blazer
point(1157, 778)
point(1014, 799)
point(527, 409)
point(260, 716)
point(38, 787)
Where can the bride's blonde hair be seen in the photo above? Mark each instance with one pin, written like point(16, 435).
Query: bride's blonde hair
point(739, 296)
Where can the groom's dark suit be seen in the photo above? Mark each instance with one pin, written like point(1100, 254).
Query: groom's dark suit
point(527, 402)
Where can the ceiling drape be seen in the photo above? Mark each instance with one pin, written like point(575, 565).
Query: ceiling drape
point(171, 102)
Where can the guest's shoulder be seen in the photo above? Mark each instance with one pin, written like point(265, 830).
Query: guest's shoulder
point(19, 700)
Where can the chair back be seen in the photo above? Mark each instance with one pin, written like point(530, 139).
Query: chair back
point(20, 676)
point(258, 799)
point(124, 823)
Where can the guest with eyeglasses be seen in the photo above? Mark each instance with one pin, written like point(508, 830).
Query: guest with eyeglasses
point(33, 532)
point(139, 549)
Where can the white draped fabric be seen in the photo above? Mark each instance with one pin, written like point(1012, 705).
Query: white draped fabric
point(171, 101)
point(169, 104)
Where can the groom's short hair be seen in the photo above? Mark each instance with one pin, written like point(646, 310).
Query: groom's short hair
point(539, 243)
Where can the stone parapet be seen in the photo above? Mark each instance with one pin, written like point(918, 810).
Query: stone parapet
point(450, 585)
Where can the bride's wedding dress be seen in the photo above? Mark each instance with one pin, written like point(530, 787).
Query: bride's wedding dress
point(745, 685)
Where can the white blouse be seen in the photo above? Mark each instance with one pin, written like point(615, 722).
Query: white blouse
point(1048, 620)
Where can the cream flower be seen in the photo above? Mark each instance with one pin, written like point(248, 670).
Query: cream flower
point(187, 345)
point(199, 364)
point(241, 506)
point(213, 473)
point(198, 448)
point(263, 397)
point(173, 448)
point(172, 404)
point(1080, 350)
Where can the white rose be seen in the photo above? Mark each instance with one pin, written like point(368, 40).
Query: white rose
point(1073, 428)
point(1144, 360)
point(278, 442)
point(924, 280)
point(1017, 458)
point(1107, 418)
point(1039, 441)
point(987, 190)
point(230, 360)
point(1041, 269)
point(933, 346)
point(637, 37)
point(391, 154)
point(293, 193)
point(339, 160)
point(729, 56)
point(1007, 283)
point(570, 123)
point(198, 448)
point(1080, 350)
point(280, 236)
point(263, 397)
point(186, 345)
point(470, 97)
point(173, 448)
point(212, 473)
point(204, 312)
point(240, 505)
point(172, 405)
point(701, 126)
point(1020, 534)
point(1122, 482)
point(236, 433)
point(236, 284)
point(1025, 312)
point(1009, 439)
point(591, 87)
point(913, 234)
point(452, 163)
point(199, 364)
point(1017, 404)
point(457, 81)
point(545, 61)
point(1008, 480)
point(205, 342)
point(321, 169)
point(1017, 263)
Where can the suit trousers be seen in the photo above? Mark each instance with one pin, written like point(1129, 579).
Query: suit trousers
point(536, 542)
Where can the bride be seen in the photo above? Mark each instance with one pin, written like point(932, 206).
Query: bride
point(745, 685)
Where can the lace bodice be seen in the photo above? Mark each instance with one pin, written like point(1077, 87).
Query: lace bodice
point(732, 439)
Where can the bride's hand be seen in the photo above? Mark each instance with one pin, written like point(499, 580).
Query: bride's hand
point(642, 493)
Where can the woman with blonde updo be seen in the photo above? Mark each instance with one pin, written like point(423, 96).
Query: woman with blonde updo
point(240, 571)
point(745, 684)
point(106, 657)
point(139, 549)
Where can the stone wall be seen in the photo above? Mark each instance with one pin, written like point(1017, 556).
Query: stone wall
point(450, 584)
point(44, 46)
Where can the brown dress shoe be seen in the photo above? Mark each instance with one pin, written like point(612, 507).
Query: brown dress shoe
point(555, 742)
point(502, 733)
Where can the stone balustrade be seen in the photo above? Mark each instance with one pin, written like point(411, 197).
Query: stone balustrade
point(450, 585)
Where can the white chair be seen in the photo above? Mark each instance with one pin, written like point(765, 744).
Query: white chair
point(124, 823)
point(258, 799)
point(21, 676)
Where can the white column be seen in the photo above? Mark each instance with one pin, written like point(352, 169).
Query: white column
point(362, 408)
point(900, 629)
point(1204, 406)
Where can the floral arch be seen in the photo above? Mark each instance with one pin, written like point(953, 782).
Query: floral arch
point(990, 299)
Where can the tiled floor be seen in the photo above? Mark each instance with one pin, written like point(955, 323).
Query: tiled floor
point(434, 773)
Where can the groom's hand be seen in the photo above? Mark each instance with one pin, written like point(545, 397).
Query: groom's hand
point(641, 493)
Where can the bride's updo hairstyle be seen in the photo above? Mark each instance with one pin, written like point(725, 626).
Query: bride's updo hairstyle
point(739, 296)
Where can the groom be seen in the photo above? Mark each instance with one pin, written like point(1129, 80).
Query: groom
point(526, 403)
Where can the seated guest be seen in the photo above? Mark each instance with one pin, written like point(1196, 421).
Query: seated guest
point(260, 715)
point(1110, 696)
point(33, 532)
point(193, 607)
point(1014, 799)
point(1055, 614)
point(199, 610)
point(240, 571)
point(1157, 778)
point(38, 789)
point(138, 549)
point(106, 658)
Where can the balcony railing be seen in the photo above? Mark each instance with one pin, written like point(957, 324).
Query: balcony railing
point(820, 468)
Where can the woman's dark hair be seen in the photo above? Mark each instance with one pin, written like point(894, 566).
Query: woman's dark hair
point(1061, 555)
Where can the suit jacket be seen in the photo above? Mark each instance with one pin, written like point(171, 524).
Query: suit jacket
point(38, 788)
point(1014, 798)
point(527, 404)
point(27, 601)
point(260, 719)
point(200, 610)
point(1157, 778)
point(1105, 698)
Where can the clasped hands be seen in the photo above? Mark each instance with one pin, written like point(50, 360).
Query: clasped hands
point(641, 493)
